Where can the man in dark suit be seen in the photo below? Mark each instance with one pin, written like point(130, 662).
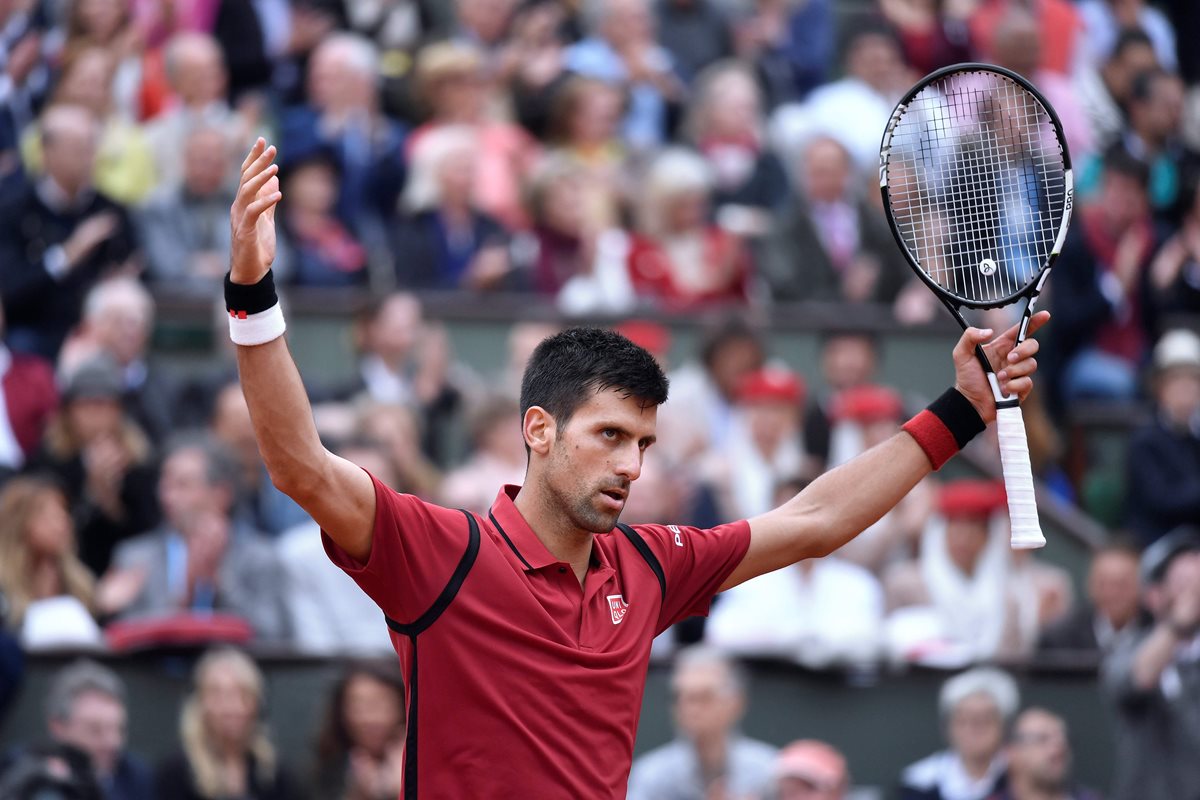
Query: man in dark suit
point(1114, 609)
point(59, 237)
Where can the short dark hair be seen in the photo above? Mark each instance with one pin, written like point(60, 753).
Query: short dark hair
point(1119, 161)
point(726, 331)
point(567, 367)
point(1130, 37)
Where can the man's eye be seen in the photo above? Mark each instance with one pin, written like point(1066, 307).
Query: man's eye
point(609, 433)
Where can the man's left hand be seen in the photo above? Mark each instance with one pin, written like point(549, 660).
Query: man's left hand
point(1014, 365)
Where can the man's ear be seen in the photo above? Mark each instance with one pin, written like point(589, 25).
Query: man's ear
point(539, 430)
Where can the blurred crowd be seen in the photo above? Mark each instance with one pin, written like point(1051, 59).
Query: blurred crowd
point(627, 159)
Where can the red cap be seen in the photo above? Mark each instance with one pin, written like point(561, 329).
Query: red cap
point(771, 385)
point(971, 498)
point(868, 404)
point(649, 335)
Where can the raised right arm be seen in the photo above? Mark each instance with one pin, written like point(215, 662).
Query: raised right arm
point(338, 495)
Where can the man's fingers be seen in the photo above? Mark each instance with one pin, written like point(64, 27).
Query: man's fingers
point(260, 205)
point(1026, 349)
point(1037, 321)
point(259, 164)
point(251, 187)
point(1021, 369)
point(965, 349)
point(259, 145)
point(1018, 386)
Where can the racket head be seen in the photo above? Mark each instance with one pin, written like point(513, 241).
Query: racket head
point(977, 185)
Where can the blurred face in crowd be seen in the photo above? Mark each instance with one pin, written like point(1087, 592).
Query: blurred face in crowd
point(733, 108)
point(1133, 59)
point(1017, 44)
point(231, 424)
point(1183, 577)
point(102, 19)
point(487, 19)
point(706, 704)
point(1113, 586)
point(1123, 200)
point(337, 84)
point(826, 171)
point(88, 82)
point(122, 324)
point(205, 162)
point(196, 69)
point(687, 211)
point(501, 436)
point(96, 725)
point(562, 204)
point(966, 538)
point(312, 188)
point(771, 423)
point(228, 703)
point(394, 330)
point(1040, 755)
point(1158, 116)
point(976, 728)
point(184, 490)
point(1177, 391)
point(48, 529)
point(732, 360)
point(460, 96)
point(372, 714)
point(69, 138)
point(597, 115)
point(875, 59)
point(848, 361)
point(92, 418)
point(456, 177)
point(628, 22)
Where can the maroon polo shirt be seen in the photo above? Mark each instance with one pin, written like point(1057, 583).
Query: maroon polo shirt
point(522, 683)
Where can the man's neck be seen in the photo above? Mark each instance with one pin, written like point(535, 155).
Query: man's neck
point(564, 541)
point(712, 752)
point(977, 768)
point(1021, 788)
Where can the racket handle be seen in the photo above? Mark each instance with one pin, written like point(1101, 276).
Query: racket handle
point(1018, 479)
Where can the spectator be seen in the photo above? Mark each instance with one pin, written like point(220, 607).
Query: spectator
point(1105, 19)
point(709, 756)
point(483, 23)
point(931, 34)
point(109, 25)
point(975, 708)
point(1163, 460)
point(200, 560)
point(854, 110)
point(185, 229)
point(848, 359)
point(85, 707)
point(790, 45)
point(678, 258)
point(819, 612)
point(398, 432)
point(695, 32)
point(533, 61)
point(810, 770)
point(325, 251)
point(725, 124)
point(1100, 334)
point(850, 254)
point(1058, 20)
point(1039, 760)
point(1175, 271)
point(47, 589)
point(621, 49)
point(226, 751)
point(1113, 613)
point(1105, 90)
point(454, 86)
point(59, 237)
point(328, 614)
point(447, 242)
point(29, 400)
point(256, 36)
point(102, 459)
point(342, 118)
point(498, 457)
point(360, 753)
point(1154, 682)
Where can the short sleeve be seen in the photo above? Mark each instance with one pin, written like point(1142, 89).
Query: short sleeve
point(695, 563)
point(415, 547)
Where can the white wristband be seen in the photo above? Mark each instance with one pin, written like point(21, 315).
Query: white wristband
point(260, 328)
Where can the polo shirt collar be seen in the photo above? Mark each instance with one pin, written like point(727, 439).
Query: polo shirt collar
point(528, 547)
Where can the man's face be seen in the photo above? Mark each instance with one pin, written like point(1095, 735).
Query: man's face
point(848, 361)
point(976, 728)
point(1113, 586)
point(705, 703)
point(596, 456)
point(96, 725)
point(1040, 750)
point(123, 329)
point(184, 489)
point(966, 539)
point(1178, 393)
point(826, 171)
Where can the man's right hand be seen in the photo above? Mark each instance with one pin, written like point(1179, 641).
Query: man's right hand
point(252, 217)
point(87, 236)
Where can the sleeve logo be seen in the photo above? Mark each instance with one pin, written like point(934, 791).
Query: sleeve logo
point(678, 535)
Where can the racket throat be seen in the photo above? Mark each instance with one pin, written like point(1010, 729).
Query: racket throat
point(1002, 400)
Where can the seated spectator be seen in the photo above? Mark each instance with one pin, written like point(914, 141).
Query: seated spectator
point(1104, 20)
point(1153, 682)
point(818, 612)
point(397, 430)
point(854, 110)
point(47, 590)
point(1039, 760)
point(1058, 20)
point(102, 460)
point(360, 752)
point(725, 124)
point(695, 32)
point(226, 750)
point(678, 258)
point(498, 457)
point(709, 755)
point(329, 614)
point(621, 49)
point(583, 265)
point(29, 400)
point(975, 708)
point(342, 117)
point(850, 255)
point(198, 80)
point(790, 46)
point(810, 770)
point(848, 359)
point(1100, 330)
point(455, 88)
point(1105, 89)
point(533, 61)
point(59, 237)
point(86, 708)
point(446, 241)
point(1113, 613)
point(185, 228)
point(124, 169)
point(1163, 460)
point(199, 560)
point(325, 251)
point(932, 36)
point(109, 25)
point(1175, 270)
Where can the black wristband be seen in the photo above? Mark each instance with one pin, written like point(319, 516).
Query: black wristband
point(244, 299)
point(958, 415)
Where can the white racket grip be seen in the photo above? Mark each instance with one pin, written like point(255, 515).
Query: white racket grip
point(1018, 479)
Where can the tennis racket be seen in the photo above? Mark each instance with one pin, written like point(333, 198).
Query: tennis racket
point(976, 182)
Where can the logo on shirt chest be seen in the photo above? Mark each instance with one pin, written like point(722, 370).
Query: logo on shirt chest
point(618, 607)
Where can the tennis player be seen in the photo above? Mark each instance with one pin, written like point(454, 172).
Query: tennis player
point(525, 634)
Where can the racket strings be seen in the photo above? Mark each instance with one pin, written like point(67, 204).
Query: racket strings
point(977, 184)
